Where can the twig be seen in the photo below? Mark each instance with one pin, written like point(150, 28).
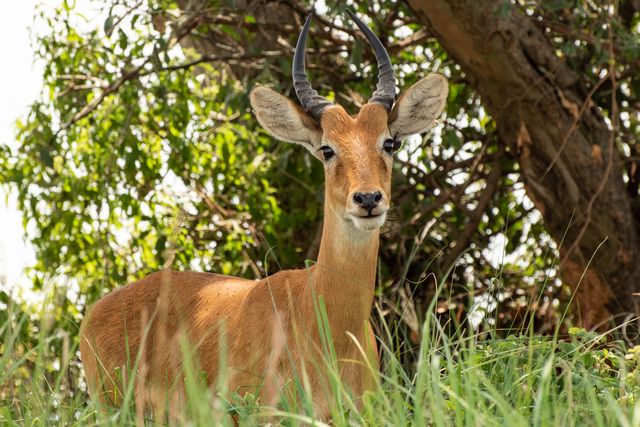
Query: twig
point(476, 215)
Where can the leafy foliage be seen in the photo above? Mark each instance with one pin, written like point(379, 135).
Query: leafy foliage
point(142, 153)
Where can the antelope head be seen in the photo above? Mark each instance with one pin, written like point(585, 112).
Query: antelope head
point(357, 151)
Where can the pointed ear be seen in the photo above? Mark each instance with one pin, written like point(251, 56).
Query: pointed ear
point(283, 119)
point(418, 107)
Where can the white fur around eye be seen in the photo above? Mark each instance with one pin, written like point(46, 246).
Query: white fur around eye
point(419, 107)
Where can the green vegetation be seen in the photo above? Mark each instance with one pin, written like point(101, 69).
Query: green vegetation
point(459, 379)
point(142, 153)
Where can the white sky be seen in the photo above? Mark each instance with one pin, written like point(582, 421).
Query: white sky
point(20, 84)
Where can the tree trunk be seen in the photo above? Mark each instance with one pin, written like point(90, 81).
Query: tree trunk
point(569, 161)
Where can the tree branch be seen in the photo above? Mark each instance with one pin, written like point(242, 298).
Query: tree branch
point(463, 239)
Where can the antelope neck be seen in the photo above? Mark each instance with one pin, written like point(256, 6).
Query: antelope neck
point(345, 272)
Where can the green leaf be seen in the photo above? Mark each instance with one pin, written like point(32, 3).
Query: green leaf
point(109, 25)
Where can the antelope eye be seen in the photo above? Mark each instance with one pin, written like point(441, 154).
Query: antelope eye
point(327, 152)
point(390, 146)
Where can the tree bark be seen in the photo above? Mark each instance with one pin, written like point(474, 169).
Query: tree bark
point(568, 159)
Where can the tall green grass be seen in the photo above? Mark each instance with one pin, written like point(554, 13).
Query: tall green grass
point(461, 379)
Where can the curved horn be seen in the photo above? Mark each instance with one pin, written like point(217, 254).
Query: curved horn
point(385, 92)
point(309, 98)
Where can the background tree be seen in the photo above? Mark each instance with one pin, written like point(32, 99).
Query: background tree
point(143, 154)
point(560, 79)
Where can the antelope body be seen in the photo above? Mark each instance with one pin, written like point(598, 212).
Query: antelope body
point(268, 328)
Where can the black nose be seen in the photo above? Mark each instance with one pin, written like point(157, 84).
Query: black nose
point(367, 201)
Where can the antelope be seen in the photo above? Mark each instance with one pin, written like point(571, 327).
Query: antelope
point(268, 328)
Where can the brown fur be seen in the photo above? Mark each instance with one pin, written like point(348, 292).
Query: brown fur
point(251, 314)
point(267, 328)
